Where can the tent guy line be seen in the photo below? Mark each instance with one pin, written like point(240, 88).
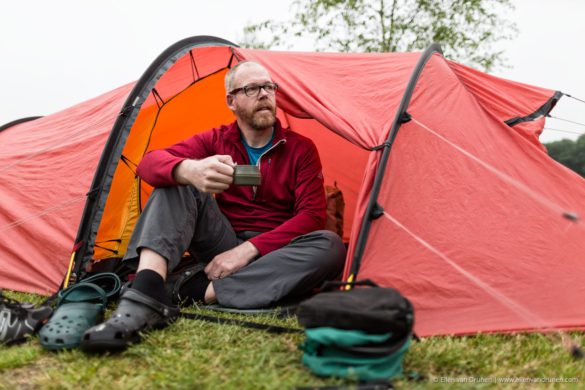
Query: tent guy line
point(573, 97)
point(527, 315)
point(513, 182)
point(564, 131)
point(41, 214)
point(565, 120)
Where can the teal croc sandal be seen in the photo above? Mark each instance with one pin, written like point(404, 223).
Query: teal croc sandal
point(80, 307)
point(73, 317)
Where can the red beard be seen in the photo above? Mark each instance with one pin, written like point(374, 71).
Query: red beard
point(261, 117)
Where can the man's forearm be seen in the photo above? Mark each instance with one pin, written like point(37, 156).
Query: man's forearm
point(249, 251)
point(231, 261)
point(180, 172)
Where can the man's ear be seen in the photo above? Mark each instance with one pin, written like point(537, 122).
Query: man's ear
point(230, 101)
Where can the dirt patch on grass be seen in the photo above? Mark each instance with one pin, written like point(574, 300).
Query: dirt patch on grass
point(26, 377)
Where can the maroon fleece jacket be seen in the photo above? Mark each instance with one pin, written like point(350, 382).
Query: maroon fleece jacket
point(290, 201)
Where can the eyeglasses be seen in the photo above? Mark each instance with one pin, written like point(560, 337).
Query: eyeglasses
point(254, 90)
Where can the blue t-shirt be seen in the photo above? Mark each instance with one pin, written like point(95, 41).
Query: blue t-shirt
point(255, 153)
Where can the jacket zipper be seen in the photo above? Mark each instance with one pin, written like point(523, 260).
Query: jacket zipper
point(255, 188)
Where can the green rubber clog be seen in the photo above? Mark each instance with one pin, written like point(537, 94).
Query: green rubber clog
point(80, 307)
point(72, 318)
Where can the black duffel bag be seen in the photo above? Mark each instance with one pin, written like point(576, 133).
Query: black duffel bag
point(372, 309)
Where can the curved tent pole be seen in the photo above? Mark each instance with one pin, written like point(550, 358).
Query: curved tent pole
point(18, 122)
point(374, 210)
point(100, 187)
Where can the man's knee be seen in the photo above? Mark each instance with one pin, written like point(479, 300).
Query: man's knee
point(178, 199)
point(165, 197)
point(325, 238)
point(166, 192)
point(331, 241)
point(173, 193)
point(329, 246)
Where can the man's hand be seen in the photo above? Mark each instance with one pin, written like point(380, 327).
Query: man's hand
point(212, 174)
point(228, 262)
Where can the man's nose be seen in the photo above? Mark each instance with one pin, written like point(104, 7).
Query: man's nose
point(262, 93)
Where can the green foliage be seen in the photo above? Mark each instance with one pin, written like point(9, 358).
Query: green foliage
point(466, 29)
point(569, 153)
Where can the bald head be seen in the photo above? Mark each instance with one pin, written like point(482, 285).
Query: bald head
point(231, 77)
point(254, 100)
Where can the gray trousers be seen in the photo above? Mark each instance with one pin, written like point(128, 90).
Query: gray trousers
point(179, 219)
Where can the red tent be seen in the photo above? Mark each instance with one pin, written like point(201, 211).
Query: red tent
point(466, 213)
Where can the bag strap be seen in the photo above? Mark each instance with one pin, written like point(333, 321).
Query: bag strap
point(330, 285)
point(247, 324)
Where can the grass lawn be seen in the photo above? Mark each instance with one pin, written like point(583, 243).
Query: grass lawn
point(194, 354)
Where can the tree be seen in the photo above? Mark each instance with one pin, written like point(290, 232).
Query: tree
point(569, 153)
point(466, 29)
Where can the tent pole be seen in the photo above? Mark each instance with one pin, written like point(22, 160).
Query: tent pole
point(18, 122)
point(374, 210)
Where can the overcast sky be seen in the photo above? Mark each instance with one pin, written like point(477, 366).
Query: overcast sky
point(58, 53)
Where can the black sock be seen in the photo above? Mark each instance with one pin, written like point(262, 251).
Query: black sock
point(194, 289)
point(152, 284)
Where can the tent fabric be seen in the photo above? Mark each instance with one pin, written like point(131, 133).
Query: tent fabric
point(506, 99)
point(46, 167)
point(473, 232)
point(492, 230)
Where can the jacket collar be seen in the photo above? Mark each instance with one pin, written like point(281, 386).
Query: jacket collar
point(233, 132)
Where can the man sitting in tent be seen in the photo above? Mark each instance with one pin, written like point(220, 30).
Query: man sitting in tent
point(256, 244)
